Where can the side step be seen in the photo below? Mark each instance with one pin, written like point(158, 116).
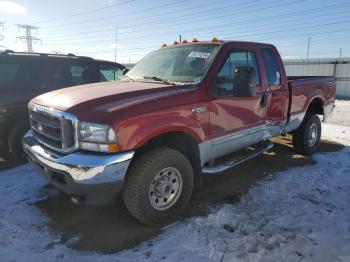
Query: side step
point(238, 160)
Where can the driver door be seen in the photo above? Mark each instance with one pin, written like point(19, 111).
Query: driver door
point(238, 107)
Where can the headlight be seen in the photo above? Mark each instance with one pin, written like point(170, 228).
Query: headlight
point(95, 137)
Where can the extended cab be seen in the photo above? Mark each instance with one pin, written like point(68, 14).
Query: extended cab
point(155, 133)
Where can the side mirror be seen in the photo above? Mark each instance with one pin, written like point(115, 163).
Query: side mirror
point(243, 81)
point(125, 71)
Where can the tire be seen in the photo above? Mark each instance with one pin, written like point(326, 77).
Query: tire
point(5, 152)
point(306, 138)
point(15, 138)
point(148, 178)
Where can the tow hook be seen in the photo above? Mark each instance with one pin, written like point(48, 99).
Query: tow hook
point(77, 199)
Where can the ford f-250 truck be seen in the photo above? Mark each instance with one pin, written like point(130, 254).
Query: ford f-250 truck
point(154, 134)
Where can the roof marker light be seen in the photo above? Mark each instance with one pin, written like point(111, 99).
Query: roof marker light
point(164, 45)
point(214, 39)
point(194, 40)
point(184, 41)
point(175, 43)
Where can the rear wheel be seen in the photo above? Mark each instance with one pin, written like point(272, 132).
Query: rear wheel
point(306, 138)
point(158, 186)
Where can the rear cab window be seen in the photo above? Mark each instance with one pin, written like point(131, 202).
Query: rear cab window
point(272, 70)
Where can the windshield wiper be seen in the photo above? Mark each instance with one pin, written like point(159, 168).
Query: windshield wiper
point(158, 79)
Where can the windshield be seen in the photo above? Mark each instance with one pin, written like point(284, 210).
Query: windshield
point(183, 64)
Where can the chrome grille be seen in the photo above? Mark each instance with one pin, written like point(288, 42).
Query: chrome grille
point(53, 129)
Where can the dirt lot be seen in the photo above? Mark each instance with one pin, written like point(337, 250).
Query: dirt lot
point(110, 228)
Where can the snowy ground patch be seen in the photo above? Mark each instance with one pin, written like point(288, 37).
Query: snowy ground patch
point(302, 214)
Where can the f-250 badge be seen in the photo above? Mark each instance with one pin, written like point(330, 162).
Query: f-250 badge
point(198, 110)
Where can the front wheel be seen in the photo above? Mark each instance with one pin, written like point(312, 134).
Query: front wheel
point(306, 138)
point(158, 186)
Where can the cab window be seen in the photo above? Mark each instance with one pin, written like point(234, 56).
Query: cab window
point(110, 73)
point(19, 73)
point(226, 81)
point(273, 73)
point(64, 73)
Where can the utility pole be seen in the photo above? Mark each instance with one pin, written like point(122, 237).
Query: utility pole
point(116, 44)
point(308, 48)
point(28, 37)
point(2, 30)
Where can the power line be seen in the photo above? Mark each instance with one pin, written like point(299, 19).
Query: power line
point(317, 42)
point(175, 18)
point(234, 25)
point(226, 30)
point(188, 18)
point(84, 12)
point(119, 15)
point(300, 13)
point(264, 26)
point(272, 38)
point(28, 38)
point(205, 18)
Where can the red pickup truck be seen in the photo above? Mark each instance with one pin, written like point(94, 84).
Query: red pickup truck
point(168, 122)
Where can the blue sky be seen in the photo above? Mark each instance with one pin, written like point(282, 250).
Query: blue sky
point(87, 27)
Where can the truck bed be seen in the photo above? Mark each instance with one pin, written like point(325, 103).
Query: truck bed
point(309, 79)
point(303, 88)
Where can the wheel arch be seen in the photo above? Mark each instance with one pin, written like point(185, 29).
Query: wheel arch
point(15, 118)
point(180, 141)
point(315, 106)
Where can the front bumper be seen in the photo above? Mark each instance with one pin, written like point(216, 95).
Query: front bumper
point(93, 177)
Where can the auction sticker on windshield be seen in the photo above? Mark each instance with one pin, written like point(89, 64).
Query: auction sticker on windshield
point(199, 55)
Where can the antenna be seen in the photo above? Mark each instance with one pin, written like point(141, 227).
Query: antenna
point(308, 48)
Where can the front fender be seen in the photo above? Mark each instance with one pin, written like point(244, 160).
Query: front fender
point(135, 133)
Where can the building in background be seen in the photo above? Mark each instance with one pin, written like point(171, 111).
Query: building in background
point(339, 68)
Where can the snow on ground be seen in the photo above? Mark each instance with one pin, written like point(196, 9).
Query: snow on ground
point(302, 214)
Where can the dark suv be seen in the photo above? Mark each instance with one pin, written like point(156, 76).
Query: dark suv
point(26, 75)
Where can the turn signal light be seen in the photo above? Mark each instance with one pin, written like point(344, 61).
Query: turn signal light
point(175, 43)
point(112, 148)
point(214, 39)
point(194, 40)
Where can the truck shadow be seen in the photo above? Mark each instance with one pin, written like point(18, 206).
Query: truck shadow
point(110, 228)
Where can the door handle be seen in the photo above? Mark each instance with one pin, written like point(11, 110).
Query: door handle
point(263, 101)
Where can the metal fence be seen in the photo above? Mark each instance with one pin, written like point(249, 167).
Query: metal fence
point(339, 68)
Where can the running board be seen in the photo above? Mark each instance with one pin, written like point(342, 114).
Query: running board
point(238, 160)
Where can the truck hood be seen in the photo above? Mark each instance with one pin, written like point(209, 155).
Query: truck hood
point(104, 97)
